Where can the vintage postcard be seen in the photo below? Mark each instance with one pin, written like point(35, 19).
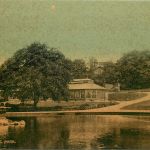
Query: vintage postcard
point(74, 74)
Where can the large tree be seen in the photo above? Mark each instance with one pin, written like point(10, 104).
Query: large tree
point(92, 67)
point(109, 74)
point(36, 72)
point(78, 69)
point(134, 70)
point(7, 74)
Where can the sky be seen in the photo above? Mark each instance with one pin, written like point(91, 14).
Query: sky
point(78, 28)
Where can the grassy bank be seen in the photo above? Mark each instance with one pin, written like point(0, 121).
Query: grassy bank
point(76, 112)
point(62, 106)
point(125, 96)
point(139, 106)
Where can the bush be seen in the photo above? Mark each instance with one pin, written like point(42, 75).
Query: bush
point(101, 105)
point(84, 106)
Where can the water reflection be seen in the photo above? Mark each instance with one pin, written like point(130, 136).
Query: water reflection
point(81, 132)
point(6, 128)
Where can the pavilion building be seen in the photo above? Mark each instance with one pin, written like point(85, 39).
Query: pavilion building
point(86, 89)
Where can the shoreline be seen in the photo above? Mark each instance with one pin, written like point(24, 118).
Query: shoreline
point(109, 110)
point(51, 113)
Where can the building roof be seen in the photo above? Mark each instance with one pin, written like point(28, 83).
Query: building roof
point(82, 81)
point(84, 84)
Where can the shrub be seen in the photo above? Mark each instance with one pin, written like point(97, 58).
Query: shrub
point(84, 106)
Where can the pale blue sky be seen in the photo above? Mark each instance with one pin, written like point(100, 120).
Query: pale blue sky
point(80, 29)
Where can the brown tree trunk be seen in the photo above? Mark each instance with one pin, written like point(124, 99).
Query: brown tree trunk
point(35, 103)
point(6, 97)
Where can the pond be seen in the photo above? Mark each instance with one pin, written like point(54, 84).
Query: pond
point(78, 132)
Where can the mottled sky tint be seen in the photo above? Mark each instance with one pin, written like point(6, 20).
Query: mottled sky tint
point(80, 29)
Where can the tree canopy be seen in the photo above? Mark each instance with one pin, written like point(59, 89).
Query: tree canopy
point(78, 69)
point(109, 74)
point(36, 72)
point(134, 70)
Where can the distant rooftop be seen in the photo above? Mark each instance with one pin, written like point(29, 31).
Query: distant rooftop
point(86, 80)
point(84, 84)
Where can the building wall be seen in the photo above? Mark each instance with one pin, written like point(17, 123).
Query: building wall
point(87, 94)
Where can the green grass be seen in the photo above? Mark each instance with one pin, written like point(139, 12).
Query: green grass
point(125, 96)
point(139, 106)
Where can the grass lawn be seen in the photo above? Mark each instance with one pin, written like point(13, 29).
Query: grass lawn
point(139, 106)
point(125, 96)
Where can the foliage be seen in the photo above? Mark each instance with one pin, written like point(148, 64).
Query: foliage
point(93, 66)
point(35, 72)
point(79, 69)
point(134, 70)
point(6, 77)
point(110, 73)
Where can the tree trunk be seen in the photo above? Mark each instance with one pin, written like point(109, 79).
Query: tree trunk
point(35, 100)
point(35, 103)
point(5, 97)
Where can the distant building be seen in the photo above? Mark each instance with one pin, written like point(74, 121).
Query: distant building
point(99, 67)
point(83, 89)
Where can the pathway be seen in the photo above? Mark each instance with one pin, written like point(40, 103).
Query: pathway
point(118, 107)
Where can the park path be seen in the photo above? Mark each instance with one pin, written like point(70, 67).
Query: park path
point(118, 107)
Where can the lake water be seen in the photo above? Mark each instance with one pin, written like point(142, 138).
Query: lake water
point(79, 132)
